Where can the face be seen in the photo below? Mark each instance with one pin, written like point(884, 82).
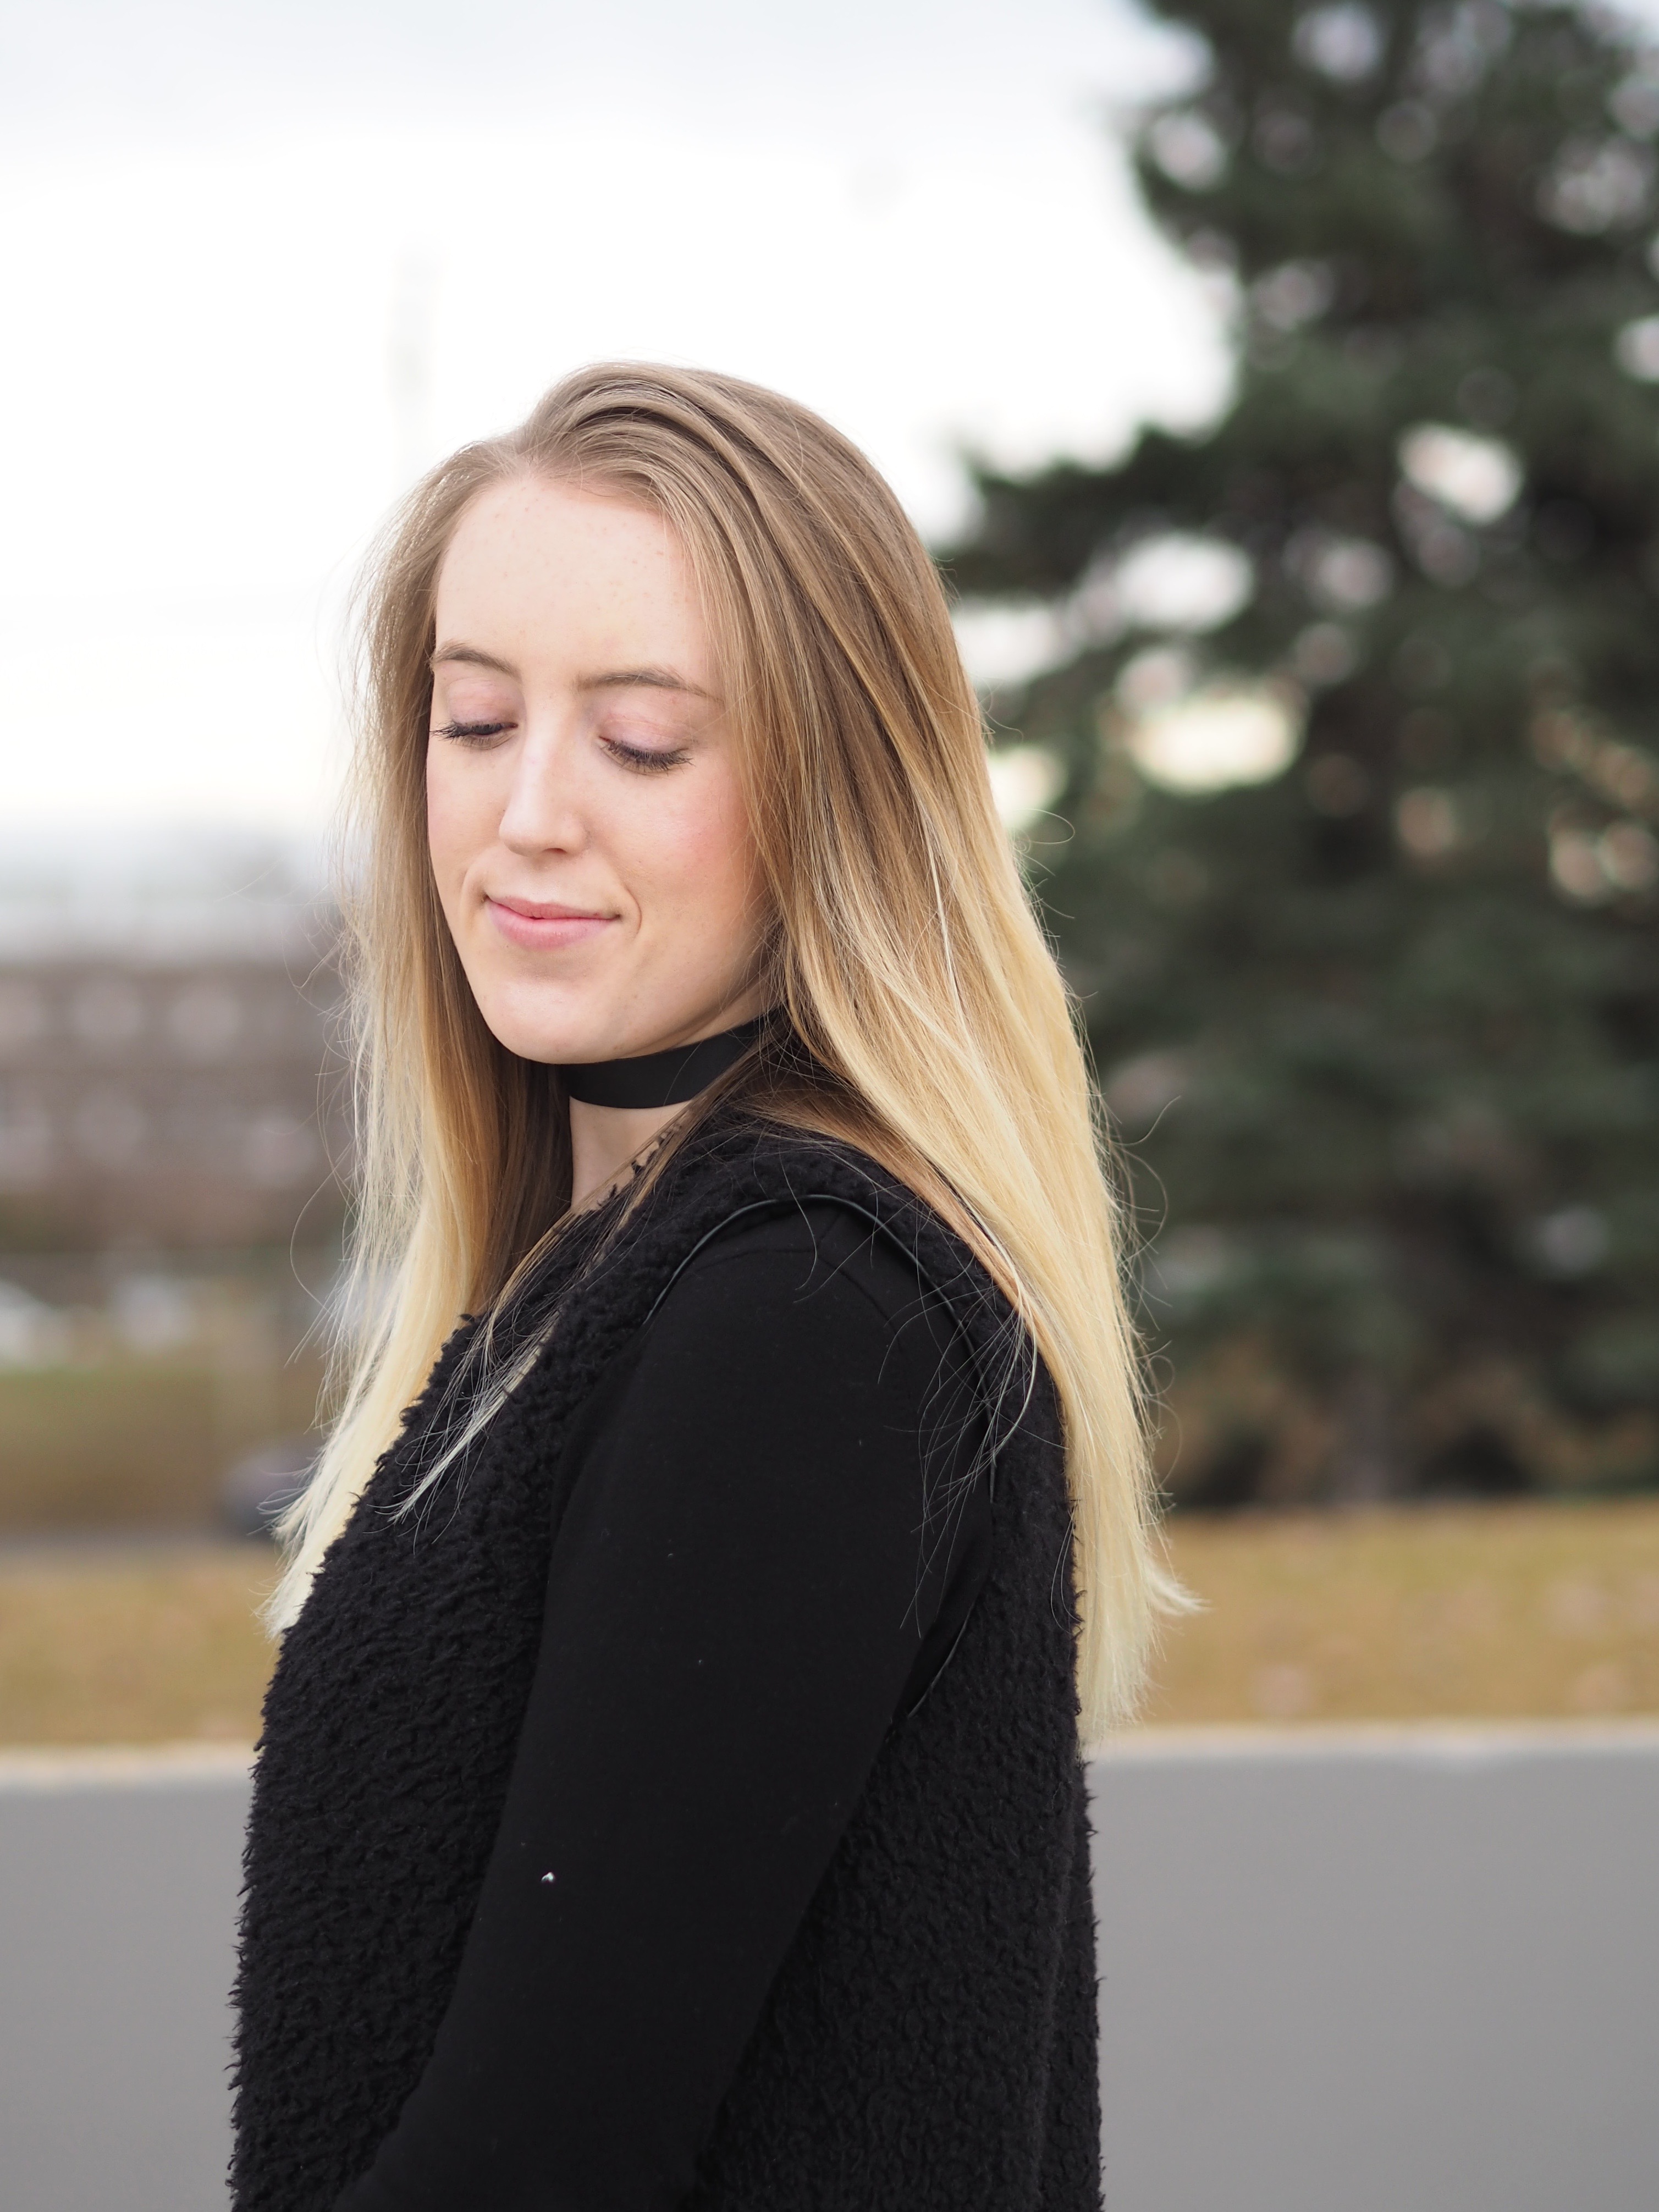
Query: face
point(587, 831)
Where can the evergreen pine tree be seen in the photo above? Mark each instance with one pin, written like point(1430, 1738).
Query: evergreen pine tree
point(1381, 1028)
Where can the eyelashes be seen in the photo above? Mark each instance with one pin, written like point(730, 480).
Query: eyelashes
point(640, 760)
point(471, 732)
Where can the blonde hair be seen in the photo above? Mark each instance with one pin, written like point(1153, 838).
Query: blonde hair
point(939, 1038)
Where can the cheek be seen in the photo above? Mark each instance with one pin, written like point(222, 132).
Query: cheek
point(705, 860)
point(458, 823)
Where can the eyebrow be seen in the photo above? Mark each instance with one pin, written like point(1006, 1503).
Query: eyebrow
point(609, 679)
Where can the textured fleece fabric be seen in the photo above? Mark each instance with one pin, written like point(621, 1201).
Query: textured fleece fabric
point(929, 2044)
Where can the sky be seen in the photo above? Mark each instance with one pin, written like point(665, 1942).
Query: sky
point(265, 263)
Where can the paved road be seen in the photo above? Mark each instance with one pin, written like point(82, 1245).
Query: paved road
point(118, 1893)
point(1420, 1975)
point(1412, 1973)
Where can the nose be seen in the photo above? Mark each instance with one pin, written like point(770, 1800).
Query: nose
point(543, 812)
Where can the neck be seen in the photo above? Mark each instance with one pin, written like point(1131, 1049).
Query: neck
point(604, 1140)
point(639, 1095)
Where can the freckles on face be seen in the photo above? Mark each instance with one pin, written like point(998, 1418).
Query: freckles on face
point(588, 835)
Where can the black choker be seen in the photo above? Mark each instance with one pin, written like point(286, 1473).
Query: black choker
point(659, 1078)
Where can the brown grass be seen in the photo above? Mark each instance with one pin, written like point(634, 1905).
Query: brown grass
point(1512, 1612)
point(137, 1442)
point(144, 1647)
point(1525, 1611)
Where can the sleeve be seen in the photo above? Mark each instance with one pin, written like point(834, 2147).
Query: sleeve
point(752, 1576)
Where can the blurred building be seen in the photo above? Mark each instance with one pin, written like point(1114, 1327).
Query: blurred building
point(167, 1076)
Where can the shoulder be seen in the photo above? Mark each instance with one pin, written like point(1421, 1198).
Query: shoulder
point(797, 1305)
point(793, 1227)
point(806, 1251)
point(758, 1190)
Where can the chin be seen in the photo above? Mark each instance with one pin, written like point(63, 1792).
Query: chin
point(536, 1033)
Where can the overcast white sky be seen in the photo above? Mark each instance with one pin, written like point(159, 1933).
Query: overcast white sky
point(261, 263)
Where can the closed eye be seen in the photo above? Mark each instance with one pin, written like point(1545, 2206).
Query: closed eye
point(644, 759)
point(472, 732)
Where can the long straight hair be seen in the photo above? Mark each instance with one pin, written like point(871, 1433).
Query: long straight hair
point(937, 1035)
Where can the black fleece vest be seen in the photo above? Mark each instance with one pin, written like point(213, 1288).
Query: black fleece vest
point(929, 2044)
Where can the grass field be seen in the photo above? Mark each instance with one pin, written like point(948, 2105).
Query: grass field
point(1503, 1611)
point(1510, 1611)
point(149, 1645)
point(137, 1442)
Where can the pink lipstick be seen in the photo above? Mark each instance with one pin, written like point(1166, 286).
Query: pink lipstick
point(545, 925)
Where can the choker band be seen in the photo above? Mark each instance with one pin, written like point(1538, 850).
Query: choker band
point(659, 1078)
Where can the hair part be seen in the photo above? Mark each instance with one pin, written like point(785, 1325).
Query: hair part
point(938, 1034)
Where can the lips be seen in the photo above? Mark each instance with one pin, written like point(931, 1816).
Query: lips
point(548, 910)
point(545, 924)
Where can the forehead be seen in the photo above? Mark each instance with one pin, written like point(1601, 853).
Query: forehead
point(542, 559)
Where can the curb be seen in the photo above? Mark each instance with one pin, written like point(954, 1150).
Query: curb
point(1448, 1743)
point(27, 1770)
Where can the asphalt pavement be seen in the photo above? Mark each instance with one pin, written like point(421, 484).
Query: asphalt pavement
point(1413, 1971)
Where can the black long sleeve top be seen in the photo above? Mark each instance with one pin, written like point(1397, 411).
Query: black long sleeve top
point(778, 1523)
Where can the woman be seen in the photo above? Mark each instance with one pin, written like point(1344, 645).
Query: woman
point(669, 1792)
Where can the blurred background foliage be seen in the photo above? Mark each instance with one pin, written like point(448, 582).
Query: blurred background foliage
point(1339, 732)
